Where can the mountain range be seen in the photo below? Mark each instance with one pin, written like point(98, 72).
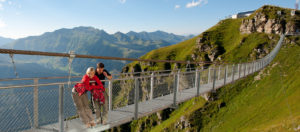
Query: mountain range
point(4, 41)
point(90, 41)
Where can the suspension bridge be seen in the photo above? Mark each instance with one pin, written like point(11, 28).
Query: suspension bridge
point(49, 107)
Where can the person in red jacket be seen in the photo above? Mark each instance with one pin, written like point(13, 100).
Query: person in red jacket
point(89, 82)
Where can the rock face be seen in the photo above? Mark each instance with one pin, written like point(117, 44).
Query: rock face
point(205, 50)
point(264, 23)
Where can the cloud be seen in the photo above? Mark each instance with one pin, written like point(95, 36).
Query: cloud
point(1, 7)
point(122, 1)
point(197, 3)
point(9, 2)
point(2, 0)
point(177, 6)
point(2, 24)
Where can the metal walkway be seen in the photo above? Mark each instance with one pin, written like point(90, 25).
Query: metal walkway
point(126, 114)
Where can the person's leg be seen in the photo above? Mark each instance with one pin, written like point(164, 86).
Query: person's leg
point(80, 108)
point(87, 109)
point(105, 109)
point(97, 111)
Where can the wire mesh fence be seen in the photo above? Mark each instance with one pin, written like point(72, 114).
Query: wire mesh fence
point(16, 109)
point(187, 80)
point(122, 93)
point(163, 85)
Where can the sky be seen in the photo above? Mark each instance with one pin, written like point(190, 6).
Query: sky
point(22, 18)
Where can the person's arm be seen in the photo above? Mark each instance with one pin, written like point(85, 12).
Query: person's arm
point(107, 74)
point(86, 81)
point(100, 85)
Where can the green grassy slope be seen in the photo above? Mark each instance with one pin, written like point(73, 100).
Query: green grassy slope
point(226, 35)
point(265, 101)
point(266, 104)
point(184, 111)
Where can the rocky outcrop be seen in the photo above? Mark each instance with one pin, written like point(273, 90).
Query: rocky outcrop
point(183, 123)
point(205, 50)
point(260, 23)
point(275, 22)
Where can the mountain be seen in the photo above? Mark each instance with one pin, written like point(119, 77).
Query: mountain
point(4, 41)
point(159, 35)
point(264, 101)
point(88, 41)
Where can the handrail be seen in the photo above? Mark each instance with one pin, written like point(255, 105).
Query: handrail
point(26, 52)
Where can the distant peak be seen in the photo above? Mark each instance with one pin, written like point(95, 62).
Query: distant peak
point(119, 32)
point(159, 31)
point(130, 32)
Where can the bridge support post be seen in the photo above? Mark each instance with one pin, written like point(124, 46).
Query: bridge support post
point(208, 76)
point(136, 84)
point(249, 68)
point(214, 80)
point(178, 81)
point(243, 72)
point(196, 78)
point(219, 72)
point(225, 74)
point(252, 67)
point(239, 71)
point(232, 73)
point(256, 66)
point(176, 86)
point(36, 103)
point(110, 95)
point(199, 84)
point(151, 85)
point(61, 108)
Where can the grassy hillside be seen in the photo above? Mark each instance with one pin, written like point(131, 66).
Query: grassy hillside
point(225, 37)
point(265, 101)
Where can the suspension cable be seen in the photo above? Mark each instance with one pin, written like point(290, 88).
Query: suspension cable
point(71, 58)
point(14, 65)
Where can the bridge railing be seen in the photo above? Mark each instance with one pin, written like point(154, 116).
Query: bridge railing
point(36, 102)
